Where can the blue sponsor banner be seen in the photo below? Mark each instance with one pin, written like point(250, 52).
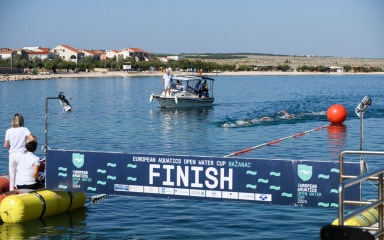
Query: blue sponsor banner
point(283, 182)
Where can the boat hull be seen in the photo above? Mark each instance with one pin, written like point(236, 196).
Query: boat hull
point(170, 102)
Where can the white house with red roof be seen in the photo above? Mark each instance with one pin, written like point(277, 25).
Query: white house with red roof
point(68, 53)
point(111, 53)
point(135, 53)
point(88, 53)
point(103, 55)
point(165, 59)
point(11, 53)
point(43, 53)
point(7, 53)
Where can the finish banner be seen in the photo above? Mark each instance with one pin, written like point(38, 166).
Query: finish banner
point(283, 182)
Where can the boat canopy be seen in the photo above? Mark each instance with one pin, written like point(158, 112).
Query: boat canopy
point(191, 78)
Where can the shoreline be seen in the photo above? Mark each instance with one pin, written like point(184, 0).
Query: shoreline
point(22, 77)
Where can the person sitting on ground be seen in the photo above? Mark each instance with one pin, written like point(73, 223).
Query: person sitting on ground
point(286, 115)
point(28, 168)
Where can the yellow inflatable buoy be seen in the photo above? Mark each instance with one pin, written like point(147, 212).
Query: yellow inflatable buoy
point(29, 206)
point(366, 219)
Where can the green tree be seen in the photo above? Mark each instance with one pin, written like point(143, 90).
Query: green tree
point(52, 64)
point(36, 62)
point(88, 62)
point(20, 62)
point(227, 67)
point(245, 68)
point(284, 68)
point(322, 68)
point(5, 62)
point(347, 68)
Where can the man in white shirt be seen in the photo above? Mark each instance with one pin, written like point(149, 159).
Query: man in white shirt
point(28, 168)
point(167, 81)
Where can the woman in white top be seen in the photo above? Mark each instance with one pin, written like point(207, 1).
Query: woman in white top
point(15, 139)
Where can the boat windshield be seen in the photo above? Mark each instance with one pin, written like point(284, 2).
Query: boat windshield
point(192, 84)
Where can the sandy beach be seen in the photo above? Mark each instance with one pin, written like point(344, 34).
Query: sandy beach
point(292, 61)
point(21, 77)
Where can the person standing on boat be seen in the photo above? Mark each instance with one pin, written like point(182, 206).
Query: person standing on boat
point(15, 139)
point(167, 81)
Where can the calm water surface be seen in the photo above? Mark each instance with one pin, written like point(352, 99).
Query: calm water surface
point(114, 114)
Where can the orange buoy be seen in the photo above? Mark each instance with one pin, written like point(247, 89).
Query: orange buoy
point(337, 114)
point(4, 188)
point(10, 193)
point(4, 183)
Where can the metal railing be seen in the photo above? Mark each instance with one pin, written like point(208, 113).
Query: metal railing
point(352, 180)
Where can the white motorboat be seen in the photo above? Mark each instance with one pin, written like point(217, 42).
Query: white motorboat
point(185, 93)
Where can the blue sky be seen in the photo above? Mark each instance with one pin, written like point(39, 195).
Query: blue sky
point(343, 28)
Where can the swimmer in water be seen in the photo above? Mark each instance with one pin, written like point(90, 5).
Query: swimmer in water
point(261, 119)
point(265, 118)
point(286, 115)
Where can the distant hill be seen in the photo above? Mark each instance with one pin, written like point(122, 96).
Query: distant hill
point(216, 55)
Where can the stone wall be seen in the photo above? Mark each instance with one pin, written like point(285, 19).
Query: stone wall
point(9, 71)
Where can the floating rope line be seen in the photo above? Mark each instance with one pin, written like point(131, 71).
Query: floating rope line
point(98, 198)
point(274, 142)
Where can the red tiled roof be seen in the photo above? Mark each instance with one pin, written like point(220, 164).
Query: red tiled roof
point(99, 52)
point(116, 51)
point(71, 48)
point(38, 53)
point(90, 52)
point(7, 51)
point(134, 50)
point(37, 50)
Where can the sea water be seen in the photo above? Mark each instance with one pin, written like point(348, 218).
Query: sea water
point(114, 114)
